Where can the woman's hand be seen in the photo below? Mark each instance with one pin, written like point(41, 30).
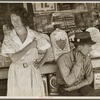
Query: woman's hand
point(37, 65)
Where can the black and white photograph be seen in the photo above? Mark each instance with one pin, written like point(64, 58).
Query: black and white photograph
point(49, 49)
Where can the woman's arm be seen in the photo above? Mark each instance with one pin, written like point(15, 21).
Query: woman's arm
point(45, 57)
point(16, 56)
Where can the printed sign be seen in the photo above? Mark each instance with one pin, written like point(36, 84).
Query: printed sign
point(96, 80)
point(44, 7)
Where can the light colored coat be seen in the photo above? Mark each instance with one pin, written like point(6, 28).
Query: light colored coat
point(70, 74)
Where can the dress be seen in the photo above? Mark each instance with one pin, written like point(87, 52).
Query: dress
point(24, 81)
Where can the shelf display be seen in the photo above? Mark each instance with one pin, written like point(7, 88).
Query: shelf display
point(86, 16)
point(79, 20)
point(42, 23)
point(39, 22)
point(65, 20)
point(68, 15)
point(65, 6)
point(71, 6)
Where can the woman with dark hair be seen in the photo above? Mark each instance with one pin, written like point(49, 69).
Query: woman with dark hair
point(22, 45)
point(24, 16)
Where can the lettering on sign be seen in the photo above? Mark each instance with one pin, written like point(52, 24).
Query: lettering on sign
point(38, 7)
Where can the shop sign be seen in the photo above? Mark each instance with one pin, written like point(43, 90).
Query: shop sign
point(39, 7)
point(96, 80)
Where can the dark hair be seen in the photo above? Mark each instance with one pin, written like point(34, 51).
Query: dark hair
point(56, 26)
point(22, 13)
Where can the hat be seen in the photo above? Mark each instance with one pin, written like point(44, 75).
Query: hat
point(83, 38)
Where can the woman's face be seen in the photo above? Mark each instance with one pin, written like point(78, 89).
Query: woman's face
point(16, 21)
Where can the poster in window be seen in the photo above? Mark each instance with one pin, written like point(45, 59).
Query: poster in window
point(71, 6)
point(40, 7)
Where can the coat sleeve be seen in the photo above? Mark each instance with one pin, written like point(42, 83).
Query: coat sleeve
point(68, 72)
point(88, 74)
